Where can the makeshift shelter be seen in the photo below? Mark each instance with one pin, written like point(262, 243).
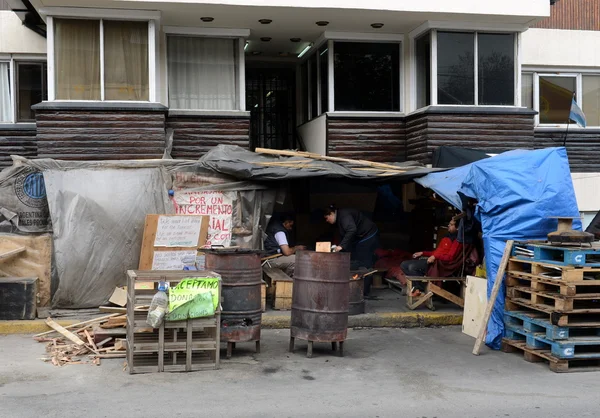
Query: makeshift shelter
point(517, 193)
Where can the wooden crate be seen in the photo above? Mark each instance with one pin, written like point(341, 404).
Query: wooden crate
point(175, 346)
point(283, 294)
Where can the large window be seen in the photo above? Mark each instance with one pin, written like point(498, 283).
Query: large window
point(366, 76)
point(27, 83)
point(314, 82)
point(554, 95)
point(471, 68)
point(323, 77)
point(202, 73)
point(78, 50)
point(423, 58)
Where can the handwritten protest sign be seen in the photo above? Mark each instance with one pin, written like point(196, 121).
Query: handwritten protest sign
point(170, 260)
point(193, 298)
point(217, 205)
point(177, 231)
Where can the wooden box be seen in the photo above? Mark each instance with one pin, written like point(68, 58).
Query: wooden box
point(175, 346)
point(18, 297)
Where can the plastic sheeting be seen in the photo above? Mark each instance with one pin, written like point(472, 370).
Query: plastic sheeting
point(98, 212)
point(243, 164)
point(517, 193)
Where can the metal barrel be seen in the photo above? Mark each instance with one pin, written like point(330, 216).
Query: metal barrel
point(320, 298)
point(357, 296)
point(241, 276)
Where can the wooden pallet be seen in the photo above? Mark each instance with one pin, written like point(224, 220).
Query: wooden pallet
point(556, 365)
point(566, 288)
point(555, 301)
point(530, 269)
point(176, 346)
point(572, 348)
point(576, 318)
point(584, 255)
point(537, 322)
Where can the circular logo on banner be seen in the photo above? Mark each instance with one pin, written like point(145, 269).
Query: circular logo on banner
point(30, 188)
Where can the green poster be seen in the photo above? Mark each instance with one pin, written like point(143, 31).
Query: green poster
point(193, 298)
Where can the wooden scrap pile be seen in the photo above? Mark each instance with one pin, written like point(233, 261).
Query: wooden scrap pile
point(379, 169)
point(76, 344)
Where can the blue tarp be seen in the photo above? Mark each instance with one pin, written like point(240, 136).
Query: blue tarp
point(517, 192)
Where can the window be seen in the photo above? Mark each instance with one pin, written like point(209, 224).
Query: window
point(591, 99)
point(496, 69)
point(527, 90)
point(31, 88)
point(456, 68)
point(304, 92)
point(366, 76)
point(473, 68)
point(423, 53)
point(5, 101)
point(78, 52)
point(202, 73)
point(555, 95)
point(314, 80)
point(323, 77)
point(28, 83)
point(555, 92)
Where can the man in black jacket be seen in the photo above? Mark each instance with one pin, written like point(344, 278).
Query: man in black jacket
point(277, 242)
point(359, 236)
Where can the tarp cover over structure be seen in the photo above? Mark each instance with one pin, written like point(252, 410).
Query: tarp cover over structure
point(244, 164)
point(517, 193)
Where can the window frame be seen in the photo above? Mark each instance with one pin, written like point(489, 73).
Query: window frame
point(13, 61)
point(567, 73)
point(433, 28)
point(75, 13)
point(330, 38)
point(241, 35)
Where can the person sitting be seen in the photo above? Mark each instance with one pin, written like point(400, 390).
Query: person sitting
point(448, 250)
point(277, 242)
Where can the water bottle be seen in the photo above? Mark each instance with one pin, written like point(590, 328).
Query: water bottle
point(158, 307)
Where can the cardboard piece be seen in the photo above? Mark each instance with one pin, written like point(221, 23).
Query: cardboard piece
point(475, 303)
point(323, 247)
point(119, 297)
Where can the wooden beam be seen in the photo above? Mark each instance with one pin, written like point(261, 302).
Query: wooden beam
point(446, 295)
point(65, 333)
point(493, 296)
point(10, 253)
point(79, 324)
point(314, 156)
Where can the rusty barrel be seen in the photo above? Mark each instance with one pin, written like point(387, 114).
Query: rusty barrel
point(320, 297)
point(241, 277)
point(357, 296)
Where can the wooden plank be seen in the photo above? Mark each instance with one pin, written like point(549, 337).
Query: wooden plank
point(8, 254)
point(493, 296)
point(119, 297)
point(446, 295)
point(79, 324)
point(64, 332)
point(323, 247)
point(276, 274)
point(475, 303)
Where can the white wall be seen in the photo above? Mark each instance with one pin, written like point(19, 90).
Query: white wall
point(16, 38)
point(563, 48)
point(469, 7)
point(314, 135)
point(587, 191)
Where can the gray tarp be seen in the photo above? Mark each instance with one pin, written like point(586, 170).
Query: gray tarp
point(98, 212)
point(243, 164)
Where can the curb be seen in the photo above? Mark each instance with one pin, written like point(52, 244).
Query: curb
point(380, 320)
point(370, 320)
point(34, 326)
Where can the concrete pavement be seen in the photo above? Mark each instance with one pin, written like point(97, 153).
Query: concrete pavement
point(416, 372)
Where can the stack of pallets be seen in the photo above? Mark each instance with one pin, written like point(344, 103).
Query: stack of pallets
point(552, 310)
point(176, 346)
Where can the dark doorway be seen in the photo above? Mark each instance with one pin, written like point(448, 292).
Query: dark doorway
point(270, 98)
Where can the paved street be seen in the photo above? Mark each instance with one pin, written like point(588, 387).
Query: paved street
point(385, 373)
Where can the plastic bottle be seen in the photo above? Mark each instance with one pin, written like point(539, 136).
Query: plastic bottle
point(158, 307)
